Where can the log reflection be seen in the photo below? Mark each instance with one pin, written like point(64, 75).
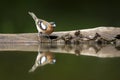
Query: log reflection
point(97, 50)
point(88, 49)
point(46, 52)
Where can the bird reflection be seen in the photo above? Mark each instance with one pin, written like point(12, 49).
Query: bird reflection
point(43, 58)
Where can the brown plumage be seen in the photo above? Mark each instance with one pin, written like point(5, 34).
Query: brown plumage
point(43, 26)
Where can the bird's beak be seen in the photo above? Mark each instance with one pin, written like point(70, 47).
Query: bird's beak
point(53, 24)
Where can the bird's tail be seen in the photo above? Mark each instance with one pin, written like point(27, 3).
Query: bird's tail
point(33, 15)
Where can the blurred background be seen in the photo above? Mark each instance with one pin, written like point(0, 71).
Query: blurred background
point(68, 14)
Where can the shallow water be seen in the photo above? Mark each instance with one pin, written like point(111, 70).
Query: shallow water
point(16, 64)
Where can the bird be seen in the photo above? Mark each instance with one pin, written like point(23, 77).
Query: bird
point(44, 27)
point(42, 59)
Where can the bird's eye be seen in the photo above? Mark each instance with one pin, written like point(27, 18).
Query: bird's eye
point(43, 26)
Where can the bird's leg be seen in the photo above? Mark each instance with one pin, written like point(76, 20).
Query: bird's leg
point(40, 36)
point(43, 36)
point(48, 37)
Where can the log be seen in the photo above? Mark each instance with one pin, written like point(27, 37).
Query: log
point(104, 33)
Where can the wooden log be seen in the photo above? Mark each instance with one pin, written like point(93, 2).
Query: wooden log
point(106, 33)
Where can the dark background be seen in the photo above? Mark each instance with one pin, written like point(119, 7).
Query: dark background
point(68, 14)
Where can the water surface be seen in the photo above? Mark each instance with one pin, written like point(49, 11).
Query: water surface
point(16, 64)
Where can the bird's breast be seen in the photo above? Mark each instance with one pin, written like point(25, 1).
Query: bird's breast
point(49, 30)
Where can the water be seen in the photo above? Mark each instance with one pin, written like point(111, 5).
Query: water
point(16, 61)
